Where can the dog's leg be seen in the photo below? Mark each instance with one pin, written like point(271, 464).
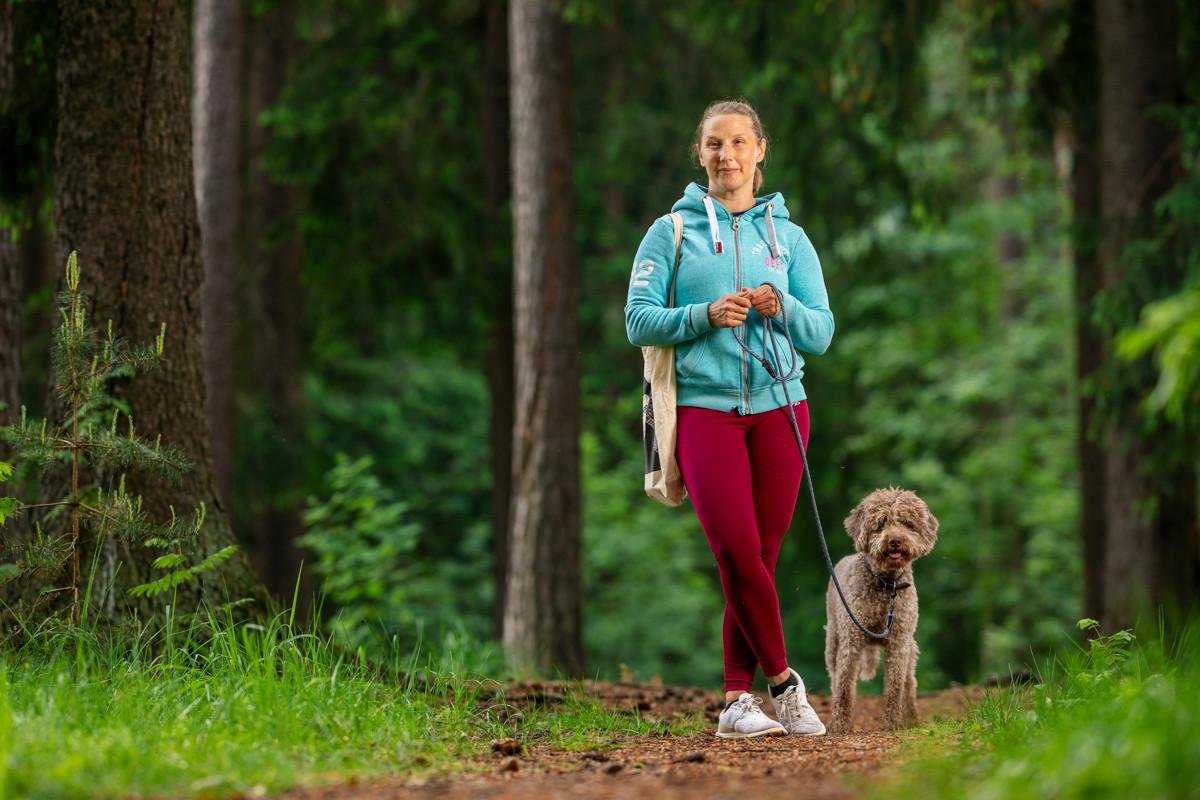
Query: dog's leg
point(845, 684)
point(910, 689)
point(831, 638)
point(897, 663)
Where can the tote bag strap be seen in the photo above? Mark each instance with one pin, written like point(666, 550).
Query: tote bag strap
point(677, 221)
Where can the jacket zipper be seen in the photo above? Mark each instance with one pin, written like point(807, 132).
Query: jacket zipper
point(737, 269)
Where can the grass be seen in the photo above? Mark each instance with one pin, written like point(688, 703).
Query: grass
point(1117, 719)
point(220, 707)
point(217, 707)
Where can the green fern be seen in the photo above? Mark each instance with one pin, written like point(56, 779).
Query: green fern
point(176, 577)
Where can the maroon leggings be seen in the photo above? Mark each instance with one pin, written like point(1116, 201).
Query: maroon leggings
point(743, 475)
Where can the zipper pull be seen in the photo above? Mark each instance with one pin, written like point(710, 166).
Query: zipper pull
point(736, 220)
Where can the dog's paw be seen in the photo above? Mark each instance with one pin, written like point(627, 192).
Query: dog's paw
point(840, 726)
point(893, 723)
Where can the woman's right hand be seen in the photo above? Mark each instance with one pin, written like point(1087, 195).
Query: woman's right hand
point(729, 310)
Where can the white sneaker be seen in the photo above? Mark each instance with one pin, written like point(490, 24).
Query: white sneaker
point(794, 712)
point(744, 718)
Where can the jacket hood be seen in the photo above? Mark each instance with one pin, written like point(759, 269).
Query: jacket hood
point(693, 200)
point(696, 198)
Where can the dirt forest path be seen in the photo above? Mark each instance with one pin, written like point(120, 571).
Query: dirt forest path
point(664, 766)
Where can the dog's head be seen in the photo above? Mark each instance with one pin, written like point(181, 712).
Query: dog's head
point(893, 527)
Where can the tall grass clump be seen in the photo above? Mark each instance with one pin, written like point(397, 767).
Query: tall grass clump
point(1117, 718)
point(215, 707)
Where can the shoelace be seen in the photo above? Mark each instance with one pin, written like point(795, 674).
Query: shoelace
point(794, 704)
point(751, 706)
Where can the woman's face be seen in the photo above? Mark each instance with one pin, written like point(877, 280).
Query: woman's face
point(729, 152)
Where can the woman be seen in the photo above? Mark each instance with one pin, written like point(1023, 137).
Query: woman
point(736, 451)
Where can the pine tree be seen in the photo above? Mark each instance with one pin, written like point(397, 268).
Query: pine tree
point(93, 438)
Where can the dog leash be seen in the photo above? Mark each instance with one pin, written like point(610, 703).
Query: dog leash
point(769, 333)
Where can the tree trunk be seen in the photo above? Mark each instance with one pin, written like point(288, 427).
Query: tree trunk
point(1079, 79)
point(216, 109)
point(125, 199)
point(543, 617)
point(498, 252)
point(10, 260)
point(28, 108)
point(1150, 552)
point(10, 331)
point(276, 299)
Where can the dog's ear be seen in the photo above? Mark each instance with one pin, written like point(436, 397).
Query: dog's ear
point(854, 524)
point(929, 534)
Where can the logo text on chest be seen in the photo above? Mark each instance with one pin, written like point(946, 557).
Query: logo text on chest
point(763, 250)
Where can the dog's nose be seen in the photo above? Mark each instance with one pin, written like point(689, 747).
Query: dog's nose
point(894, 542)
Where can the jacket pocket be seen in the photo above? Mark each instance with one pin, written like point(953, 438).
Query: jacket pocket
point(689, 355)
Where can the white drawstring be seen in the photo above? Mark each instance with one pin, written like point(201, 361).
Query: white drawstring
point(713, 229)
point(771, 231)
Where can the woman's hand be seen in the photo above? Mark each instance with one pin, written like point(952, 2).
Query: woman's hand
point(763, 299)
point(729, 310)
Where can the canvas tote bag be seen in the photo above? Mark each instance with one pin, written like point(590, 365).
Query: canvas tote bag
point(663, 481)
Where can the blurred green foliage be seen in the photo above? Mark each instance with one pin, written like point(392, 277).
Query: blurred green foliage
point(385, 591)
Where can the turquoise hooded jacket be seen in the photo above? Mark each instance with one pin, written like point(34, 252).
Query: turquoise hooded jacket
point(721, 255)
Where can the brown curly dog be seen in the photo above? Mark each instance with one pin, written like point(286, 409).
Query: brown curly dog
point(891, 528)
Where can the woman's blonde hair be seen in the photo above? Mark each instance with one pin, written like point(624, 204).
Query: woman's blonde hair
point(719, 107)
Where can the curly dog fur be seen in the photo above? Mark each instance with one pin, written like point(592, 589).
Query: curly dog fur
point(890, 528)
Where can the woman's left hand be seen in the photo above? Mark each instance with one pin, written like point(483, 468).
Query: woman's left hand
point(763, 300)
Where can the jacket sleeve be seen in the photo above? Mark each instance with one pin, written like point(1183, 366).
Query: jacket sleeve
point(648, 320)
point(806, 301)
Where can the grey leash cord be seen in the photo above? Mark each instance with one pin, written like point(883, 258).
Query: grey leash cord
point(769, 333)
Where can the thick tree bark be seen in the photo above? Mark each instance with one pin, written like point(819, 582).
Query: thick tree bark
point(216, 115)
point(125, 199)
point(276, 299)
point(1080, 85)
point(1150, 552)
point(543, 617)
point(499, 364)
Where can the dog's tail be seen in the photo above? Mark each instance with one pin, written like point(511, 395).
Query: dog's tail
point(869, 663)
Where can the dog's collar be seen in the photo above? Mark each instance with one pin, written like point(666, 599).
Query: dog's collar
point(887, 584)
